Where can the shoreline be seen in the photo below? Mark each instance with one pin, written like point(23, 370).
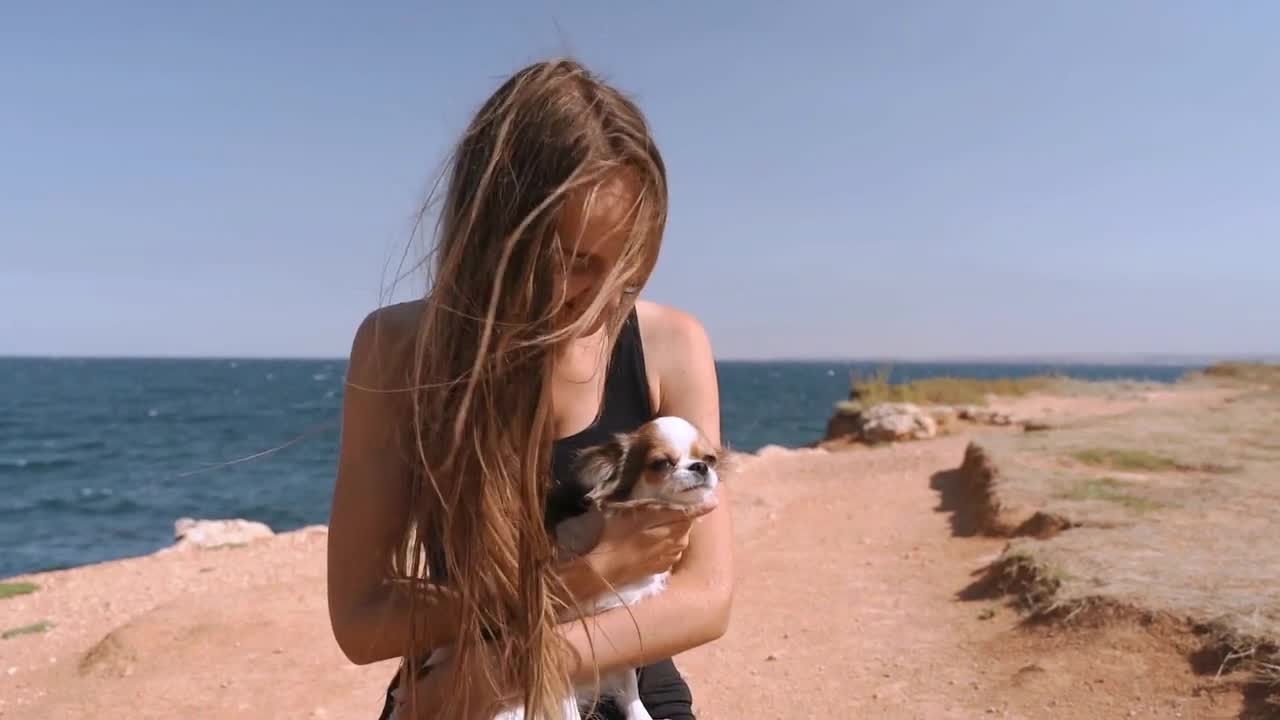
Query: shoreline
point(816, 440)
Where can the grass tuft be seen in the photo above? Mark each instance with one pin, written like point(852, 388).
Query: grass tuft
point(1125, 459)
point(1264, 373)
point(1111, 490)
point(873, 389)
point(1029, 578)
point(33, 628)
point(1129, 460)
point(8, 590)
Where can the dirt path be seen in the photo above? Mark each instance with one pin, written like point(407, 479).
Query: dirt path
point(847, 606)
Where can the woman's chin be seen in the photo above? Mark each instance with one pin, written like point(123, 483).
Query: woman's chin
point(571, 316)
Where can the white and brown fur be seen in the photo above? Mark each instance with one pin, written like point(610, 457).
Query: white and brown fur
point(666, 461)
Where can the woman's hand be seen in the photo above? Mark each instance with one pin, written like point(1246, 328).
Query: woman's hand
point(643, 538)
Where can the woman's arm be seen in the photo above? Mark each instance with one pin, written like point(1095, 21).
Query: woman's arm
point(376, 629)
point(369, 618)
point(694, 609)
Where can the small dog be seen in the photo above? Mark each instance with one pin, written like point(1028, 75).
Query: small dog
point(665, 461)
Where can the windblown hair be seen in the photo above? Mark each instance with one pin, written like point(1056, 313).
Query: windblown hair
point(491, 321)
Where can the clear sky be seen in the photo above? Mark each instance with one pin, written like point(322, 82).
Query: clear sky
point(848, 179)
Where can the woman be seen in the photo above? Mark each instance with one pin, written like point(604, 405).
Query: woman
point(464, 409)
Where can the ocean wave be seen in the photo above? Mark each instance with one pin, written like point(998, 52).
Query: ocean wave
point(97, 501)
point(73, 444)
point(20, 464)
point(82, 444)
point(208, 418)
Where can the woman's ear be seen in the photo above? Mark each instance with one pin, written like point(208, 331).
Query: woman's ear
point(599, 469)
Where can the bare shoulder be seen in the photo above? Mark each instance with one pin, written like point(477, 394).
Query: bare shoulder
point(671, 335)
point(680, 364)
point(383, 345)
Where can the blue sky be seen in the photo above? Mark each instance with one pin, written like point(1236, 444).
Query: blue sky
point(859, 179)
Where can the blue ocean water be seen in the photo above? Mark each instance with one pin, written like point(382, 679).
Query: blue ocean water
point(99, 457)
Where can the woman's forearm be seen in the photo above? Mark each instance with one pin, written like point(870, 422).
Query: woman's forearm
point(382, 624)
point(379, 629)
point(688, 614)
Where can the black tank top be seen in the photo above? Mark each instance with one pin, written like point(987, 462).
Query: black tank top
point(626, 406)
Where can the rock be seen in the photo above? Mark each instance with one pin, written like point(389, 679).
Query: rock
point(943, 414)
point(891, 422)
point(775, 451)
point(984, 416)
point(842, 424)
point(886, 422)
point(772, 451)
point(189, 532)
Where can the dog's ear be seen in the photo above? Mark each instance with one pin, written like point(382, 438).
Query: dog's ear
point(599, 468)
point(727, 461)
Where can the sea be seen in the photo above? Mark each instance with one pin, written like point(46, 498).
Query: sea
point(99, 457)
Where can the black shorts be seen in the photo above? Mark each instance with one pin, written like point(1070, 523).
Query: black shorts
point(663, 691)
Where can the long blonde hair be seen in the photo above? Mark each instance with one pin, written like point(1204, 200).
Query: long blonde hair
point(485, 351)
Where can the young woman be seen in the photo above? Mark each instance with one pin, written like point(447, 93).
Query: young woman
point(463, 411)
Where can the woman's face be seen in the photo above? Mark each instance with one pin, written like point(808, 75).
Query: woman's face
point(594, 230)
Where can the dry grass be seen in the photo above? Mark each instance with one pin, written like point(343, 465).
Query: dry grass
point(1127, 459)
point(1256, 373)
point(1029, 577)
point(1207, 556)
point(1110, 490)
point(1136, 460)
point(868, 390)
point(1240, 637)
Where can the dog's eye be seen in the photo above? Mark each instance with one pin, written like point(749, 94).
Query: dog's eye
point(709, 459)
point(660, 465)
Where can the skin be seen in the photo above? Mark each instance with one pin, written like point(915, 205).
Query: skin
point(370, 619)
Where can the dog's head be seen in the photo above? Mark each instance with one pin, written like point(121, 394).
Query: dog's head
point(665, 459)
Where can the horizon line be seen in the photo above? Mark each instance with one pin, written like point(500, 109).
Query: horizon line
point(1104, 358)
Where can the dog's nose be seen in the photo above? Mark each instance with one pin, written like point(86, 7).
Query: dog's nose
point(699, 468)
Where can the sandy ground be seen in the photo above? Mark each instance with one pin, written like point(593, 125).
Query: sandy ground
point(848, 605)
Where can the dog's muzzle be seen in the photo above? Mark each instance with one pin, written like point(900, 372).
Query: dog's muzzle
point(695, 477)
